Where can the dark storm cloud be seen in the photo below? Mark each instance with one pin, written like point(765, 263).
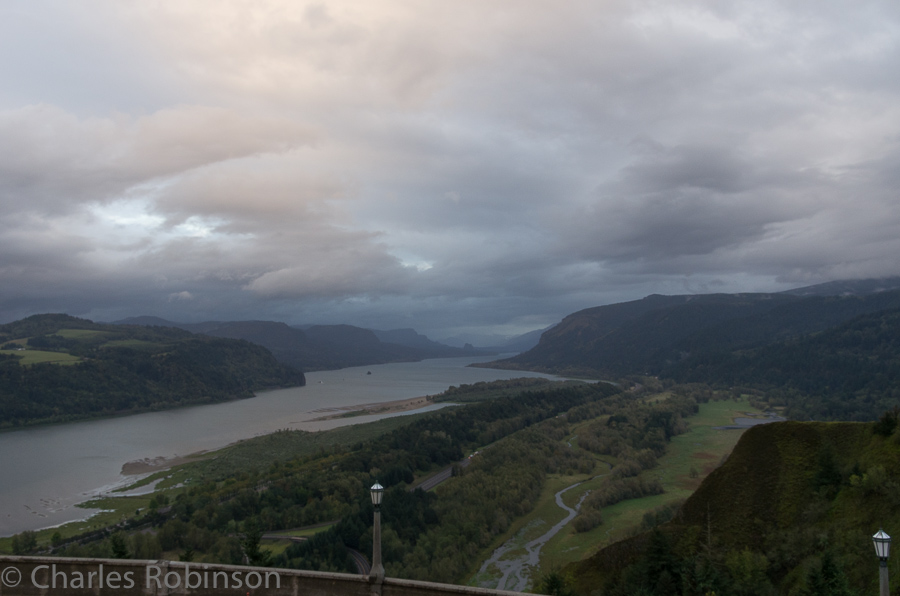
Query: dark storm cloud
point(685, 201)
point(473, 168)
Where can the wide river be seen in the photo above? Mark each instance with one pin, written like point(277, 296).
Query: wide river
point(46, 471)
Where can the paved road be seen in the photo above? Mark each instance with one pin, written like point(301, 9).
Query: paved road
point(445, 474)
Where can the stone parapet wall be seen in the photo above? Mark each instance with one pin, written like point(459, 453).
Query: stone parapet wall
point(34, 576)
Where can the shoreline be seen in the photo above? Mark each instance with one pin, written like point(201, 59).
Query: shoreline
point(385, 407)
point(149, 465)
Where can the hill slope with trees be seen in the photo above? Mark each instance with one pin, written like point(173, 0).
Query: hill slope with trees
point(652, 335)
point(791, 511)
point(849, 372)
point(56, 368)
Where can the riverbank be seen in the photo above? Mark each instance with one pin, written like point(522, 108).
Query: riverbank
point(157, 464)
point(160, 463)
point(387, 407)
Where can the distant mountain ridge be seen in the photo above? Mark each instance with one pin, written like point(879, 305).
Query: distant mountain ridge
point(320, 347)
point(856, 287)
point(408, 337)
point(651, 335)
point(520, 343)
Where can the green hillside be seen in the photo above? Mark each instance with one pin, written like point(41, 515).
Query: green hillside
point(849, 372)
point(652, 335)
point(56, 368)
point(794, 506)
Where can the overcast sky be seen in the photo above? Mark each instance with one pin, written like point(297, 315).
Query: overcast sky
point(483, 166)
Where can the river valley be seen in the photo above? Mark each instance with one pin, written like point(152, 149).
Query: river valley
point(47, 470)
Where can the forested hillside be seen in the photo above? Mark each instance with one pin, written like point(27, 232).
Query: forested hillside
point(791, 511)
point(820, 357)
point(56, 368)
point(850, 372)
point(652, 335)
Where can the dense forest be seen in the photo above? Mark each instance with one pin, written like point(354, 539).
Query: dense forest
point(114, 369)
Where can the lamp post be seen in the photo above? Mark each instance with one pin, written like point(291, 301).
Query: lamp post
point(882, 544)
point(377, 572)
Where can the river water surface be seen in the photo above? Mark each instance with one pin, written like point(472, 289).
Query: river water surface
point(46, 471)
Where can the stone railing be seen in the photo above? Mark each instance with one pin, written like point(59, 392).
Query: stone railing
point(26, 576)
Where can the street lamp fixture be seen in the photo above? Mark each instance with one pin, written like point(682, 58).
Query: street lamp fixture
point(882, 544)
point(377, 572)
point(377, 493)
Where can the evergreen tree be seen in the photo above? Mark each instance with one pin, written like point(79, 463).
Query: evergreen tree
point(119, 547)
point(828, 579)
point(250, 544)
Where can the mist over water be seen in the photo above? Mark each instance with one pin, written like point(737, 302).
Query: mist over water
point(46, 471)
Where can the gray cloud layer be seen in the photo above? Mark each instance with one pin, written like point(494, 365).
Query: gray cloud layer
point(454, 166)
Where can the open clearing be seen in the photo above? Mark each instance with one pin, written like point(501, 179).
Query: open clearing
point(29, 357)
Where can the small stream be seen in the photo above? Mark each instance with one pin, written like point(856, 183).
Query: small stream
point(514, 570)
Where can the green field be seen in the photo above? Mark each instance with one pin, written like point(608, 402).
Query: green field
point(29, 357)
point(701, 448)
